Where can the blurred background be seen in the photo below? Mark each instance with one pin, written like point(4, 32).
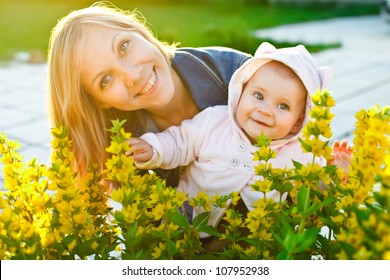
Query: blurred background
point(25, 24)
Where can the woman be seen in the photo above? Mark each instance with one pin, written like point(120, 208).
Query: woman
point(105, 64)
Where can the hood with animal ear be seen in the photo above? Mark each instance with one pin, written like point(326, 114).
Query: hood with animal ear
point(297, 58)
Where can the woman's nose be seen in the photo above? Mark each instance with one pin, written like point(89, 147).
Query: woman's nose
point(131, 75)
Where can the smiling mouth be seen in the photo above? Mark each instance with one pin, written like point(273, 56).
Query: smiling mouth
point(261, 123)
point(148, 88)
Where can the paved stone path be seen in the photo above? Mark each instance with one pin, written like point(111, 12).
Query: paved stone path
point(22, 108)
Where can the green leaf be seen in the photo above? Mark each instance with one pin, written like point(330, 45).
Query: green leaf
point(283, 255)
point(178, 219)
point(306, 146)
point(67, 240)
point(297, 164)
point(330, 168)
point(328, 200)
point(287, 186)
point(171, 249)
point(303, 202)
point(262, 141)
point(348, 249)
point(210, 230)
point(306, 239)
point(315, 207)
point(201, 219)
point(278, 238)
point(119, 216)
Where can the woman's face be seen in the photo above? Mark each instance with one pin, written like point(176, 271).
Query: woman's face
point(121, 69)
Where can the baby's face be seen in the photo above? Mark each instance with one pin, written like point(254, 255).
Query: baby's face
point(271, 103)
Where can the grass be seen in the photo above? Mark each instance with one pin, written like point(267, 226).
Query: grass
point(25, 25)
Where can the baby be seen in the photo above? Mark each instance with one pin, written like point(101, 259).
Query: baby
point(268, 94)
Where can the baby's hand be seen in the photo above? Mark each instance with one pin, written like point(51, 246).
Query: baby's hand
point(342, 155)
point(140, 150)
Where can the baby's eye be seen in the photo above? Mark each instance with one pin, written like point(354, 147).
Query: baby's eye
point(104, 82)
point(258, 96)
point(123, 46)
point(283, 106)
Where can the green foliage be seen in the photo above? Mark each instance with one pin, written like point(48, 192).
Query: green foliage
point(322, 212)
point(25, 25)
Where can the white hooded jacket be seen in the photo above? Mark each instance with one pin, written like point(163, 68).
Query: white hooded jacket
point(216, 152)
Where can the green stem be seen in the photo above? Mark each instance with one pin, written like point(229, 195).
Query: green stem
point(303, 221)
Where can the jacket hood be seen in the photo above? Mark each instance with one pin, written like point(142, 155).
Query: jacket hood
point(299, 60)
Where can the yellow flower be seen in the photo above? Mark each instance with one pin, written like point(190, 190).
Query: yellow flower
point(77, 203)
point(233, 218)
point(117, 195)
point(47, 239)
point(158, 211)
point(125, 134)
point(318, 112)
point(386, 255)
point(180, 198)
point(317, 146)
point(360, 196)
point(94, 245)
point(170, 229)
point(202, 200)
point(130, 213)
point(324, 127)
point(122, 176)
point(238, 247)
point(72, 245)
point(115, 148)
point(362, 254)
point(262, 185)
point(324, 177)
point(7, 215)
point(235, 196)
point(251, 251)
point(263, 153)
point(330, 102)
point(80, 218)
point(261, 168)
point(157, 251)
point(63, 207)
point(66, 225)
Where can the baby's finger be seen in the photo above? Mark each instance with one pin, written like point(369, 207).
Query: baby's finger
point(345, 147)
point(135, 148)
point(336, 145)
point(133, 141)
point(142, 157)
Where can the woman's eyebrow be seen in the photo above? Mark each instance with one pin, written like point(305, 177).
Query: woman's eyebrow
point(113, 50)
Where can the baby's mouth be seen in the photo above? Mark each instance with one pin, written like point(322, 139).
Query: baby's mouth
point(261, 123)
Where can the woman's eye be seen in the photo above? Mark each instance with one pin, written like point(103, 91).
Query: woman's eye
point(283, 106)
point(259, 96)
point(123, 47)
point(104, 82)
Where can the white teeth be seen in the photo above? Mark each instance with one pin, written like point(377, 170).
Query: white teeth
point(150, 83)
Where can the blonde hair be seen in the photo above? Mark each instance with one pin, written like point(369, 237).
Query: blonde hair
point(69, 104)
